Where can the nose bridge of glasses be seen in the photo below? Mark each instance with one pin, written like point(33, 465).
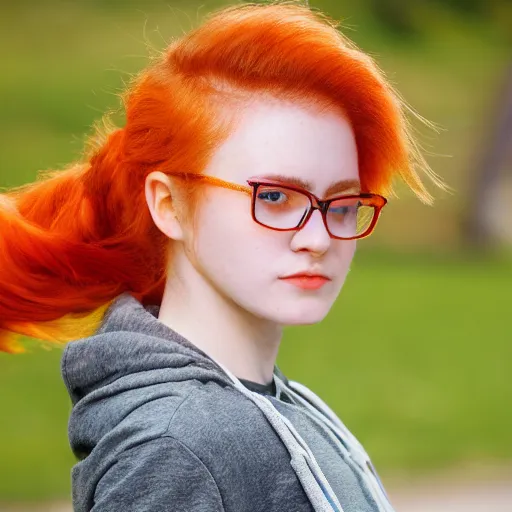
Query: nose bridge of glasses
point(308, 215)
point(317, 203)
point(314, 204)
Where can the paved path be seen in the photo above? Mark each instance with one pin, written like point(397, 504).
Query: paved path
point(434, 496)
point(490, 496)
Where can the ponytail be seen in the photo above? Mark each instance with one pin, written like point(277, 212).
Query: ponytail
point(68, 247)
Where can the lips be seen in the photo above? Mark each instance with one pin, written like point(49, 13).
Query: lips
point(306, 274)
point(306, 280)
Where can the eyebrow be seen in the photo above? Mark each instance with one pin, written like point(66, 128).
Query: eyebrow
point(340, 186)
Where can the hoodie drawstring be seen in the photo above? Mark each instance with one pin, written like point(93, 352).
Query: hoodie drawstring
point(314, 483)
point(315, 404)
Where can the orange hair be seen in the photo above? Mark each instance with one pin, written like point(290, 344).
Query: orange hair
point(75, 239)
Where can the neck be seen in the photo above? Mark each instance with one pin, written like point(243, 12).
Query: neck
point(193, 307)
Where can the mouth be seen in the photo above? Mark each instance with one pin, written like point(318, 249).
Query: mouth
point(306, 280)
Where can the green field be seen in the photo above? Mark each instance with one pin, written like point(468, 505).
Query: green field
point(414, 356)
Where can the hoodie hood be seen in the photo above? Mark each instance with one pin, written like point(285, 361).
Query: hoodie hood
point(131, 351)
point(121, 346)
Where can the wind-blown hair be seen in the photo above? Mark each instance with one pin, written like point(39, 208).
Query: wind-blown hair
point(74, 239)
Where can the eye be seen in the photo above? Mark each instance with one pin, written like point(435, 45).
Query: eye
point(340, 210)
point(272, 196)
point(344, 209)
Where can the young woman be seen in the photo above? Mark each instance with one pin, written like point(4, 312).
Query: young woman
point(256, 151)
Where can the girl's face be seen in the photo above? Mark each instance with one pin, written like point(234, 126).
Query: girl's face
point(245, 262)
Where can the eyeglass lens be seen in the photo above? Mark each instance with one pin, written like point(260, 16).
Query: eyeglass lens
point(282, 208)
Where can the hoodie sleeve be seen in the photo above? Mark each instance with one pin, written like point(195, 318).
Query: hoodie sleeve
point(161, 475)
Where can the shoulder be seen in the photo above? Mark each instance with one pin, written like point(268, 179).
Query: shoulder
point(201, 415)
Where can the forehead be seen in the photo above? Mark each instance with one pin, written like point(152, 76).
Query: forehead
point(295, 142)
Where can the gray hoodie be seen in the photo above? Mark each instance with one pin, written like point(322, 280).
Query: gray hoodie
point(158, 425)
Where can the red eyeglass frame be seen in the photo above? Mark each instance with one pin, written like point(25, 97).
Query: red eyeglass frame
point(376, 201)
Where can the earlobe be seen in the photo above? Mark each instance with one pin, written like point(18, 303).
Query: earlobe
point(159, 199)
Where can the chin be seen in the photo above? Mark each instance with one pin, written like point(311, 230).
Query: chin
point(303, 320)
point(296, 315)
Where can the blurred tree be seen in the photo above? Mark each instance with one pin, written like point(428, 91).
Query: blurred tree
point(468, 6)
point(396, 15)
point(489, 212)
point(405, 17)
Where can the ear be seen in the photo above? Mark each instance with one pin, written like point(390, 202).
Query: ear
point(162, 207)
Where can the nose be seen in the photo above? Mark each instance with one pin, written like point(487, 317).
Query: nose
point(312, 237)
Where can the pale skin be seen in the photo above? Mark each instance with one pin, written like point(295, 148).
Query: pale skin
point(223, 292)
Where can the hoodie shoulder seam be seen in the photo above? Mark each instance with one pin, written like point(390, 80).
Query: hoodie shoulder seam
point(196, 457)
point(168, 428)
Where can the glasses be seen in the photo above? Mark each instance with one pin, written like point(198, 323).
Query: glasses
point(284, 207)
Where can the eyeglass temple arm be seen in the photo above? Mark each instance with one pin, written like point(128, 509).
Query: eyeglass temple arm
point(216, 181)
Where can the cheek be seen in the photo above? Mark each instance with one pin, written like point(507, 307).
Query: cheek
point(339, 259)
point(350, 249)
point(229, 244)
point(345, 250)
